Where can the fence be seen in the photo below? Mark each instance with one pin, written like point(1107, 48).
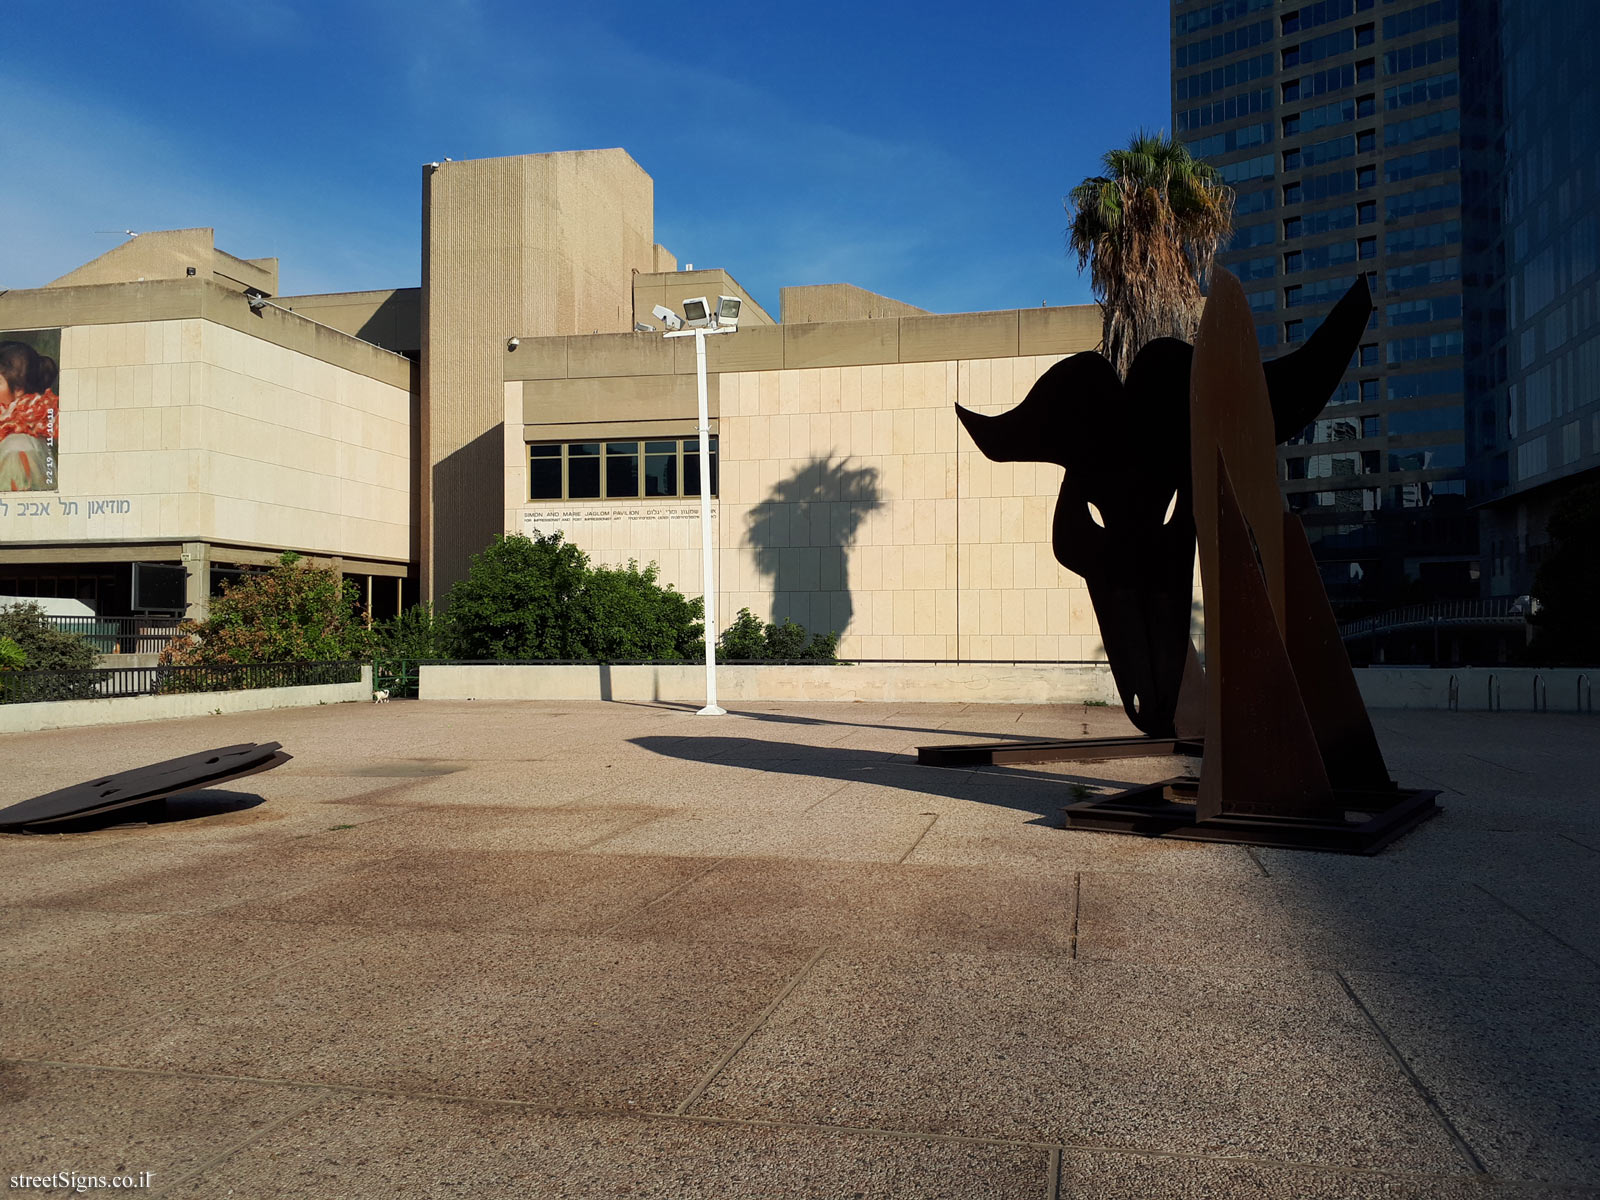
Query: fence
point(24, 687)
point(120, 635)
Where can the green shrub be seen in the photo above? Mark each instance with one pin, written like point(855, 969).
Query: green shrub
point(538, 598)
point(43, 646)
point(410, 635)
point(295, 612)
point(748, 639)
point(12, 657)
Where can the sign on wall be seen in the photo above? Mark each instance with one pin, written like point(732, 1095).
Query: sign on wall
point(30, 410)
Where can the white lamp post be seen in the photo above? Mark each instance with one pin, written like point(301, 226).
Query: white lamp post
point(702, 320)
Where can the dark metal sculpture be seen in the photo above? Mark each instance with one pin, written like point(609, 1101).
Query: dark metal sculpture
point(142, 785)
point(1187, 451)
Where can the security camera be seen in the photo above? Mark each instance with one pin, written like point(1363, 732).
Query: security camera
point(697, 313)
point(667, 317)
point(643, 327)
point(513, 343)
point(728, 310)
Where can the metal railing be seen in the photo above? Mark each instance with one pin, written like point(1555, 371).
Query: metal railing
point(1500, 611)
point(120, 635)
point(25, 687)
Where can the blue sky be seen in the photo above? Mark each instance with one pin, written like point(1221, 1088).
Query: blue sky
point(919, 150)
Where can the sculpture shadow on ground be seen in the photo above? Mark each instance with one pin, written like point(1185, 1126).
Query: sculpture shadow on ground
point(1038, 793)
point(802, 534)
point(187, 806)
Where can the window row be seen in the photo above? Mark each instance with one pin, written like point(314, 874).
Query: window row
point(1423, 16)
point(1218, 14)
point(1423, 237)
point(1422, 91)
point(1423, 54)
point(1334, 79)
point(1398, 133)
point(1316, 49)
point(1421, 200)
point(1310, 224)
point(1242, 138)
point(1323, 291)
point(1335, 254)
point(1335, 183)
point(1192, 54)
point(618, 470)
point(1325, 115)
point(1299, 157)
point(1203, 83)
point(1243, 105)
point(1309, 16)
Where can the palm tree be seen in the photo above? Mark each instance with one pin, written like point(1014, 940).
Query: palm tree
point(1148, 229)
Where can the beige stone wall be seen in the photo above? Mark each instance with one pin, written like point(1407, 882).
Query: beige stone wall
point(672, 288)
point(839, 302)
point(529, 246)
point(188, 430)
point(174, 254)
point(851, 499)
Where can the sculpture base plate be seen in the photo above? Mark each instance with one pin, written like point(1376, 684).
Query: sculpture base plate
point(1370, 821)
point(977, 754)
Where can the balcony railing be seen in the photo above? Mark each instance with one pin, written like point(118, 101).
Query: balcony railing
point(1503, 612)
point(23, 687)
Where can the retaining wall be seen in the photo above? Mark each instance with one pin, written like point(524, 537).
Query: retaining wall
point(69, 714)
point(980, 683)
point(1479, 689)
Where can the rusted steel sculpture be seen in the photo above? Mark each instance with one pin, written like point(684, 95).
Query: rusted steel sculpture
point(142, 785)
point(1185, 450)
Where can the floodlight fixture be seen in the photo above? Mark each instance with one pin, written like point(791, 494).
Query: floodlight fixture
point(667, 317)
point(697, 312)
point(643, 327)
point(256, 300)
point(728, 310)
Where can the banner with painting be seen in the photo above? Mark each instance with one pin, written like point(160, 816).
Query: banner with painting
point(30, 410)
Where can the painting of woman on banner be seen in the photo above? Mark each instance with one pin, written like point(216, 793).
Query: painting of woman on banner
point(30, 410)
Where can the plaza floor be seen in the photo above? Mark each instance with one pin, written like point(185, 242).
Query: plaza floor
point(596, 950)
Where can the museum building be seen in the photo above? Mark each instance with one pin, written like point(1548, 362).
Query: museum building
point(202, 424)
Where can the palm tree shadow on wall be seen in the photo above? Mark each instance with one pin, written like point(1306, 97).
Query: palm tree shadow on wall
point(802, 534)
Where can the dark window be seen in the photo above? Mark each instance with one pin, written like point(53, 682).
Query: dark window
point(1291, 56)
point(1366, 176)
point(1366, 141)
point(1369, 426)
point(544, 472)
point(1291, 227)
point(1291, 295)
point(1292, 193)
point(691, 465)
point(1293, 331)
point(1291, 160)
point(1365, 71)
point(1291, 125)
point(1291, 91)
point(583, 470)
point(1364, 35)
point(1366, 212)
point(1366, 106)
point(1369, 391)
point(1367, 247)
point(1292, 260)
point(661, 468)
point(622, 469)
point(1368, 355)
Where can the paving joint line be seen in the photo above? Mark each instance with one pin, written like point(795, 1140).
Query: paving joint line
point(666, 895)
point(223, 1155)
point(829, 796)
point(1077, 908)
point(721, 1064)
point(1052, 1175)
point(1513, 909)
point(1260, 866)
point(1422, 1089)
point(910, 850)
point(1579, 842)
point(555, 1109)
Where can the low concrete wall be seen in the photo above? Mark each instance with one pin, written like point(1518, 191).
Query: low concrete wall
point(980, 683)
point(1479, 689)
point(71, 714)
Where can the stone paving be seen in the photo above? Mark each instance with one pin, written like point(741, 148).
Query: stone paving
point(594, 950)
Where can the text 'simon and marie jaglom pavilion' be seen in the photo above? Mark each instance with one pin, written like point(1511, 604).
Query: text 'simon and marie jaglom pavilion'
point(206, 424)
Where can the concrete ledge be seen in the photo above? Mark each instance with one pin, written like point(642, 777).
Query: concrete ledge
point(1479, 689)
point(975, 683)
point(119, 710)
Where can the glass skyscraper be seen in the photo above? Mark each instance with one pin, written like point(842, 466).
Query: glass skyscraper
point(1339, 125)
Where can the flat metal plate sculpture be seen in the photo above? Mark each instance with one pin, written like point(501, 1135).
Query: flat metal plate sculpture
point(142, 785)
point(1288, 754)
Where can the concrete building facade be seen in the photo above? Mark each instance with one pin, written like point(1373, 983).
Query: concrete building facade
point(525, 387)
